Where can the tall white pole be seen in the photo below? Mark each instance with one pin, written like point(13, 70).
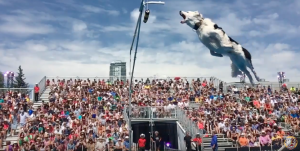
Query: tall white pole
point(132, 72)
point(136, 33)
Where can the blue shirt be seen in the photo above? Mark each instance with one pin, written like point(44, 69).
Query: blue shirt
point(30, 112)
point(214, 141)
point(113, 93)
point(295, 115)
point(126, 144)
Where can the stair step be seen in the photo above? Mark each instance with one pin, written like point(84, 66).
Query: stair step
point(12, 138)
point(219, 144)
point(219, 148)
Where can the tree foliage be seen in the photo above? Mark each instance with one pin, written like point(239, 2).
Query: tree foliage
point(19, 81)
point(1, 80)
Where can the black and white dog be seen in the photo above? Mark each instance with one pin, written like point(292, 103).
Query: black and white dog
point(220, 44)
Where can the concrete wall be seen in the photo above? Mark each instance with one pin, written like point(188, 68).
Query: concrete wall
point(180, 134)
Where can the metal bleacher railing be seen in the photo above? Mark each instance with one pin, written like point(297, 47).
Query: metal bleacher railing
point(152, 112)
point(215, 80)
point(42, 85)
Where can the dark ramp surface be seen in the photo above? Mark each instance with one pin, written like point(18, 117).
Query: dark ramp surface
point(167, 130)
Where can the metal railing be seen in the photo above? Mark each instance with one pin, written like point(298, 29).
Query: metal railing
point(273, 85)
point(187, 124)
point(154, 112)
point(215, 81)
point(42, 85)
point(26, 91)
point(260, 148)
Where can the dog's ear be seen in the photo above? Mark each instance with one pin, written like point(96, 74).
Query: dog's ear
point(198, 15)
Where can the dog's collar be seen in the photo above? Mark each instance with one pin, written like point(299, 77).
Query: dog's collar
point(197, 25)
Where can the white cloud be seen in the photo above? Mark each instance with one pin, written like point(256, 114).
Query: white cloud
point(58, 58)
point(100, 10)
point(24, 24)
point(73, 46)
point(20, 29)
point(79, 26)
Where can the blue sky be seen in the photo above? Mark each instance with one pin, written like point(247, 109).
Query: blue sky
point(81, 37)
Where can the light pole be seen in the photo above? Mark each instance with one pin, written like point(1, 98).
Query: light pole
point(242, 77)
point(137, 33)
point(281, 80)
point(280, 77)
point(9, 78)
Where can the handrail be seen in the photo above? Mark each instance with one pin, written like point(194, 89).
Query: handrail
point(42, 85)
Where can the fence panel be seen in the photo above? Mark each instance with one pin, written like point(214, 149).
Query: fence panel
point(42, 85)
point(273, 85)
point(17, 91)
point(214, 80)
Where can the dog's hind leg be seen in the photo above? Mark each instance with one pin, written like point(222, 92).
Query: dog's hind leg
point(241, 64)
point(235, 71)
point(255, 74)
point(249, 65)
point(248, 75)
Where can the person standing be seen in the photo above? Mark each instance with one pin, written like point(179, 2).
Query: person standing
point(198, 142)
point(214, 141)
point(188, 141)
point(157, 139)
point(36, 92)
point(142, 142)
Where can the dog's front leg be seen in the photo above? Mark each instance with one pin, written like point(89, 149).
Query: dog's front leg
point(215, 54)
point(220, 39)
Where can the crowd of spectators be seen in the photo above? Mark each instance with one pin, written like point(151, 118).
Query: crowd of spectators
point(88, 114)
point(85, 114)
point(249, 117)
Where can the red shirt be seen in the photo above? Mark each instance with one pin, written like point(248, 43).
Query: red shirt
point(200, 125)
point(142, 142)
point(199, 140)
point(36, 89)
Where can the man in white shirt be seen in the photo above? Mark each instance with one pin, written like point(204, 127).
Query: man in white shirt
point(100, 144)
point(235, 90)
point(186, 103)
point(221, 125)
point(23, 118)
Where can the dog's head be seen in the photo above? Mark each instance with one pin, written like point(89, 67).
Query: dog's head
point(190, 17)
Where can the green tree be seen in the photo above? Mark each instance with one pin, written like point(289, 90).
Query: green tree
point(1, 80)
point(19, 81)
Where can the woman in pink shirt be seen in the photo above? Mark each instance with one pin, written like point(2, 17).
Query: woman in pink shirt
point(264, 139)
